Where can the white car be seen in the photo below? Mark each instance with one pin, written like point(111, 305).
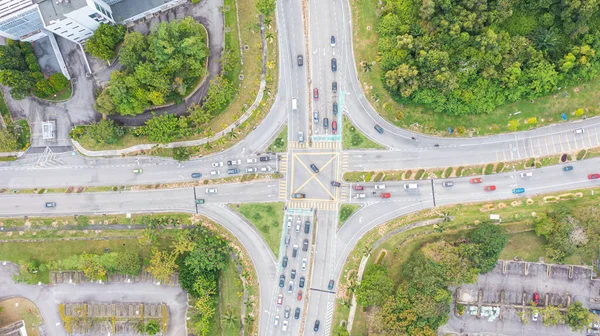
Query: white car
point(297, 227)
point(211, 190)
point(215, 172)
point(217, 164)
point(277, 320)
point(535, 316)
point(251, 170)
point(285, 325)
point(303, 264)
point(380, 186)
point(526, 174)
point(253, 160)
point(265, 169)
point(578, 131)
point(234, 162)
point(360, 196)
point(289, 222)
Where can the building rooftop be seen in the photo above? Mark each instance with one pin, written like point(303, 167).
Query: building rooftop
point(55, 10)
point(130, 8)
point(8, 7)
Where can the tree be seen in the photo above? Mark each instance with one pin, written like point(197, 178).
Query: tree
point(58, 82)
point(128, 263)
point(162, 265)
point(375, 286)
point(8, 142)
point(105, 132)
point(104, 103)
point(340, 331)
point(163, 128)
point(152, 327)
point(229, 318)
point(266, 7)
point(131, 53)
point(92, 268)
point(183, 243)
point(211, 253)
point(578, 317)
point(489, 240)
point(102, 44)
point(181, 154)
point(148, 237)
point(551, 315)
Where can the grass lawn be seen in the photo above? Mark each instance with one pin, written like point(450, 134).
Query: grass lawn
point(230, 298)
point(525, 245)
point(353, 138)
point(546, 109)
point(267, 218)
point(17, 309)
point(346, 210)
point(280, 144)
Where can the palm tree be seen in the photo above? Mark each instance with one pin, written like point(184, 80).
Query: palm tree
point(366, 66)
point(229, 318)
point(445, 216)
point(233, 134)
point(209, 132)
point(249, 319)
point(208, 146)
point(367, 250)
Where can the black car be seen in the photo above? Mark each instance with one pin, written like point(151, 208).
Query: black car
point(300, 60)
point(333, 65)
point(379, 129)
point(281, 280)
point(334, 87)
point(332, 41)
point(306, 227)
point(284, 262)
point(297, 313)
point(336, 183)
point(295, 252)
point(317, 323)
point(301, 282)
point(50, 204)
point(595, 311)
point(293, 274)
point(305, 245)
point(314, 168)
point(330, 286)
point(264, 158)
point(196, 175)
point(325, 122)
point(335, 108)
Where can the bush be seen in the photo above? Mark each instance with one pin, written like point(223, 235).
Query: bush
point(460, 309)
point(420, 174)
point(513, 125)
point(499, 167)
point(532, 121)
point(581, 154)
point(378, 177)
point(530, 163)
point(58, 82)
point(448, 172)
point(82, 220)
point(368, 177)
point(104, 132)
point(579, 112)
point(459, 171)
point(489, 169)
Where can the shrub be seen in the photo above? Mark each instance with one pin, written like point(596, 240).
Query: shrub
point(532, 121)
point(420, 174)
point(499, 167)
point(530, 163)
point(82, 220)
point(58, 82)
point(459, 171)
point(460, 309)
point(581, 154)
point(579, 112)
point(448, 172)
point(408, 174)
point(368, 176)
point(489, 169)
point(513, 125)
point(378, 177)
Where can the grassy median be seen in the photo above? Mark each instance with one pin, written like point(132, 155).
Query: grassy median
point(267, 218)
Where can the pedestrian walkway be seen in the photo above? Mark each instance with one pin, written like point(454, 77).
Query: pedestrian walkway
point(327, 145)
point(283, 163)
point(297, 145)
point(345, 158)
point(316, 204)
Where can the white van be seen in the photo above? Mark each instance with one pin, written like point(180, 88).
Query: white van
point(294, 104)
point(380, 186)
point(408, 186)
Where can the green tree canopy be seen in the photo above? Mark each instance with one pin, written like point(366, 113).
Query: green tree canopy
point(106, 37)
point(105, 131)
point(375, 286)
point(578, 317)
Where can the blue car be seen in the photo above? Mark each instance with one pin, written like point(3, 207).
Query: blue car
point(518, 190)
point(567, 168)
point(196, 175)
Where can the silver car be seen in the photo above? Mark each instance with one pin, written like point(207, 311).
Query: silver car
point(211, 190)
point(303, 264)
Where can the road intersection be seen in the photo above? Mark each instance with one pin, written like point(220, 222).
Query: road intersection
point(329, 246)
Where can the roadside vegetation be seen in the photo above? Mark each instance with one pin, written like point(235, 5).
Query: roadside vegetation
point(104, 42)
point(560, 228)
point(453, 85)
point(352, 138)
point(280, 143)
point(267, 218)
point(14, 136)
point(346, 210)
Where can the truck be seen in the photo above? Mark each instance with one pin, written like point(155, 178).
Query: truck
point(294, 104)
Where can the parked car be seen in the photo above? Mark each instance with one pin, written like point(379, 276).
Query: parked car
point(330, 286)
point(234, 162)
point(593, 176)
point(447, 184)
point(301, 282)
point(217, 164)
point(50, 204)
point(578, 131)
point(476, 180)
point(284, 262)
point(385, 195)
point(336, 183)
point(314, 168)
point(306, 227)
point(526, 174)
point(534, 316)
point(334, 87)
point(303, 266)
point(332, 41)
point(298, 195)
point(300, 60)
point(264, 158)
point(334, 127)
point(233, 171)
point(518, 190)
point(317, 324)
point(489, 188)
point(196, 175)
point(297, 313)
point(358, 187)
point(251, 170)
point(138, 171)
point(316, 94)
point(305, 245)
point(379, 129)
point(333, 65)
point(282, 280)
point(299, 297)
point(280, 299)
point(536, 298)
point(251, 160)
point(211, 190)
point(567, 168)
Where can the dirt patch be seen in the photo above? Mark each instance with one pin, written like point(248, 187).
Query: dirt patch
point(18, 309)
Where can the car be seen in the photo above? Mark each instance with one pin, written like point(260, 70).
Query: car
point(316, 117)
point(217, 164)
point(314, 168)
point(303, 266)
point(196, 175)
point(325, 122)
point(593, 176)
point(50, 204)
point(234, 162)
point(200, 201)
point(447, 184)
point(578, 131)
point(334, 87)
point(534, 316)
point(264, 158)
point(336, 183)
point(252, 160)
point(265, 169)
point(358, 187)
point(332, 41)
point(333, 65)
point(316, 94)
point(289, 222)
point(297, 227)
point(317, 324)
point(595, 311)
point(215, 172)
point(284, 326)
point(138, 171)
point(300, 136)
point(518, 190)
point(489, 188)
point(282, 280)
point(233, 171)
point(536, 298)
point(295, 251)
point(251, 170)
point(360, 195)
point(287, 239)
point(567, 168)
point(526, 174)
point(290, 288)
point(297, 313)
point(301, 282)
point(476, 180)
point(379, 186)
point(298, 195)
point(300, 59)
point(284, 262)
point(280, 299)
point(378, 129)
point(335, 108)
point(305, 245)
point(293, 274)
point(334, 127)
point(211, 190)
point(330, 286)
point(385, 195)
point(299, 297)
point(306, 227)
point(276, 320)
point(287, 311)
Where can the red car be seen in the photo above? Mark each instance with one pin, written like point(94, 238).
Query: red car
point(299, 295)
point(536, 298)
point(280, 299)
point(316, 94)
point(358, 187)
point(476, 180)
point(490, 188)
point(594, 176)
point(334, 127)
point(385, 195)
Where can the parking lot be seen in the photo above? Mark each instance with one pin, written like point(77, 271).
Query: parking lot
point(494, 303)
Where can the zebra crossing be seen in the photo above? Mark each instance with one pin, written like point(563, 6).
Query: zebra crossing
point(328, 317)
point(327, 145)
point(316, 204)
point(297, 145)
point(283, 166)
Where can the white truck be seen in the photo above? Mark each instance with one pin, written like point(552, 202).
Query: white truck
point(294, 104)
